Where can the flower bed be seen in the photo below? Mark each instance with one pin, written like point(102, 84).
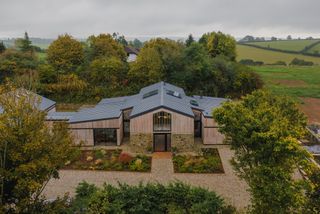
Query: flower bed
point(208, 162)
point(110, 160)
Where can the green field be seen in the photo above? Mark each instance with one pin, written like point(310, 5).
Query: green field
point(266, 56)
point(288, 45)
point(315, 49)
point(292, 81)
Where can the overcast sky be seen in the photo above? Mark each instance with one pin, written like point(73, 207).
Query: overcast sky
point(134, 18)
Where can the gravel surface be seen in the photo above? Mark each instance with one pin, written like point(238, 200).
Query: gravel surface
point(227, 184)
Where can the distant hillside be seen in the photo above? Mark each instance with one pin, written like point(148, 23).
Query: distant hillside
point(297, 46)
point(268, 56)
point(42, 43)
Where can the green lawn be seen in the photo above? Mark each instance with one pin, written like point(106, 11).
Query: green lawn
point(266, 56)
point(289, 45)
point(315, 49)
point(292, 81)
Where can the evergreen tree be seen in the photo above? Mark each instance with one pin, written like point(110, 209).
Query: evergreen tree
point(189, 40)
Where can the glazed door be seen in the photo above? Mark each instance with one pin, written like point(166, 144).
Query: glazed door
point(161, 142)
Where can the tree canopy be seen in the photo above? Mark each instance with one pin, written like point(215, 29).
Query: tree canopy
point(264, 130)
point(65, 54)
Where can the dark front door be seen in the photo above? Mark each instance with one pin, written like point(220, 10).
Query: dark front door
point(197, 128)
point(161, 142)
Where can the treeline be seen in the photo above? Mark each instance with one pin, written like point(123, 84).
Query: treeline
point(88, 71)
point(295, 62)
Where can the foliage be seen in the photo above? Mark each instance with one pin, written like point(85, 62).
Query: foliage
point(2, 47)
point(104, 45)
point(209, 162)
point(31, 152)
point(136, 43)
point(151, 198)
point(189, 40)
point(301, 62)
point(65, 54)
point(250, 62)
point(110, 160)
point(264, 129)
point(24, 44)
point(219, 44)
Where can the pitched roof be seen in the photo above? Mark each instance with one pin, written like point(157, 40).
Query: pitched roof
point(158, 95)
point(45, 103)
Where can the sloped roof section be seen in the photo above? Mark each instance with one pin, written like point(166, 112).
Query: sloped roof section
point(152, 97)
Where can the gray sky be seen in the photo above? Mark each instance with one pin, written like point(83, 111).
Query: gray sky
point(81, 18)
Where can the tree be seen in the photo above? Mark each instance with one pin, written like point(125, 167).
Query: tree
point(31, 153)
point(24, 44)
point(108, 73)
point(65, 54)
point(289, 37)
point(189, 40)
point(104, 45)
point(263, 130)
point(121, 39)
point(136, 43)
point(2, 47)
point(274, 38)
point(219, 44)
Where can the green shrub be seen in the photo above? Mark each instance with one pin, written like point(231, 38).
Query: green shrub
point(174, 198)
point(99, 153)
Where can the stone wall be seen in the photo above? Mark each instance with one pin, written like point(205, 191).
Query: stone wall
point(141, 143)
point(183, 143)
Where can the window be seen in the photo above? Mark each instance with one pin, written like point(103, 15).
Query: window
point(194, 103)
point(149, 94)
point(105, 136)
point(162, 121)
point(174, 93)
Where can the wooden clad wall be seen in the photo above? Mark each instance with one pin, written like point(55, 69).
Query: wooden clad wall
point(180, 124)
point(111, 123)
point(210, 133)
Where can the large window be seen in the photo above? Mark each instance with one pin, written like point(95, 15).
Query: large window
point(105, 137)
point(162, 121)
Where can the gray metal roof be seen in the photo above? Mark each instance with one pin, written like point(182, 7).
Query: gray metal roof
point(45, 103)
point(112, 107)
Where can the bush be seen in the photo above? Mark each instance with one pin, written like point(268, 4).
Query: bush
point(301, 62)
point(251, 62)
point(125, 158)
point(152, 198)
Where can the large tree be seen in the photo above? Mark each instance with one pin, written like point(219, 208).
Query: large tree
point(30, 152)
point(218, 43)
point(65, 54)
point(24, 44)
point(264, 130)
point(104, 45)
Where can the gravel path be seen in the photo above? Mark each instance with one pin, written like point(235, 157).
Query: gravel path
point(227, 184)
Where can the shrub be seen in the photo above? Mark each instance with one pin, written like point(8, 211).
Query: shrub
point(154, 198)
point(125, 158)
point(301, 62)
point(251, 62)
point(99, 153)
point(279, 63)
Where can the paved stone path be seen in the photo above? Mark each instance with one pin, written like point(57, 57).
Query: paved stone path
point(225, 184)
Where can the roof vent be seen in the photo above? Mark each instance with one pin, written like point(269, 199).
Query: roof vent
point(149, 94)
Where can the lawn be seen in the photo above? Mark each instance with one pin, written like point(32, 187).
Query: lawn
point(109, 160)
point(208, 162)
point(268, 57)
point(315, 49)
point(288, 45)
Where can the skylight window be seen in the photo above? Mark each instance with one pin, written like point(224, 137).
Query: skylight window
point(174, 93)
point(194, 103)
point(149, 94)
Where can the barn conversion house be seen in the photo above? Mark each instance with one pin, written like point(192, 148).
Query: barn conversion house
point(161, 116)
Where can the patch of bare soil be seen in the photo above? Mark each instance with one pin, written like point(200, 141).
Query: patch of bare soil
point(290, 83)
point(311, 107)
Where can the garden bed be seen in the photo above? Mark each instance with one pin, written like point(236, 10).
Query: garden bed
point(208, 162)
point(110, 160)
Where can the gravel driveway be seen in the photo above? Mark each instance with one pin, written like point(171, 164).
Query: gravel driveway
point(227, 184)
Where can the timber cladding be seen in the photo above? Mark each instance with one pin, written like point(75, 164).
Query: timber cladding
point(180, 124)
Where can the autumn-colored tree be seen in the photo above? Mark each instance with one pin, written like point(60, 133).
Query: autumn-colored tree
point(104, 45)
point(264, 130)
point(65, 54)
point(31, 153)
point(218, 43)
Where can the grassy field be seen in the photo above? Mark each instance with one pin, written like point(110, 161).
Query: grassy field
point(289, 45)
point(314, 49)
point(301, 83)
point(266, 56)
point(292, 81)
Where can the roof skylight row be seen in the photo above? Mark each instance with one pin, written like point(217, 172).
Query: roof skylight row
point(149, 94)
